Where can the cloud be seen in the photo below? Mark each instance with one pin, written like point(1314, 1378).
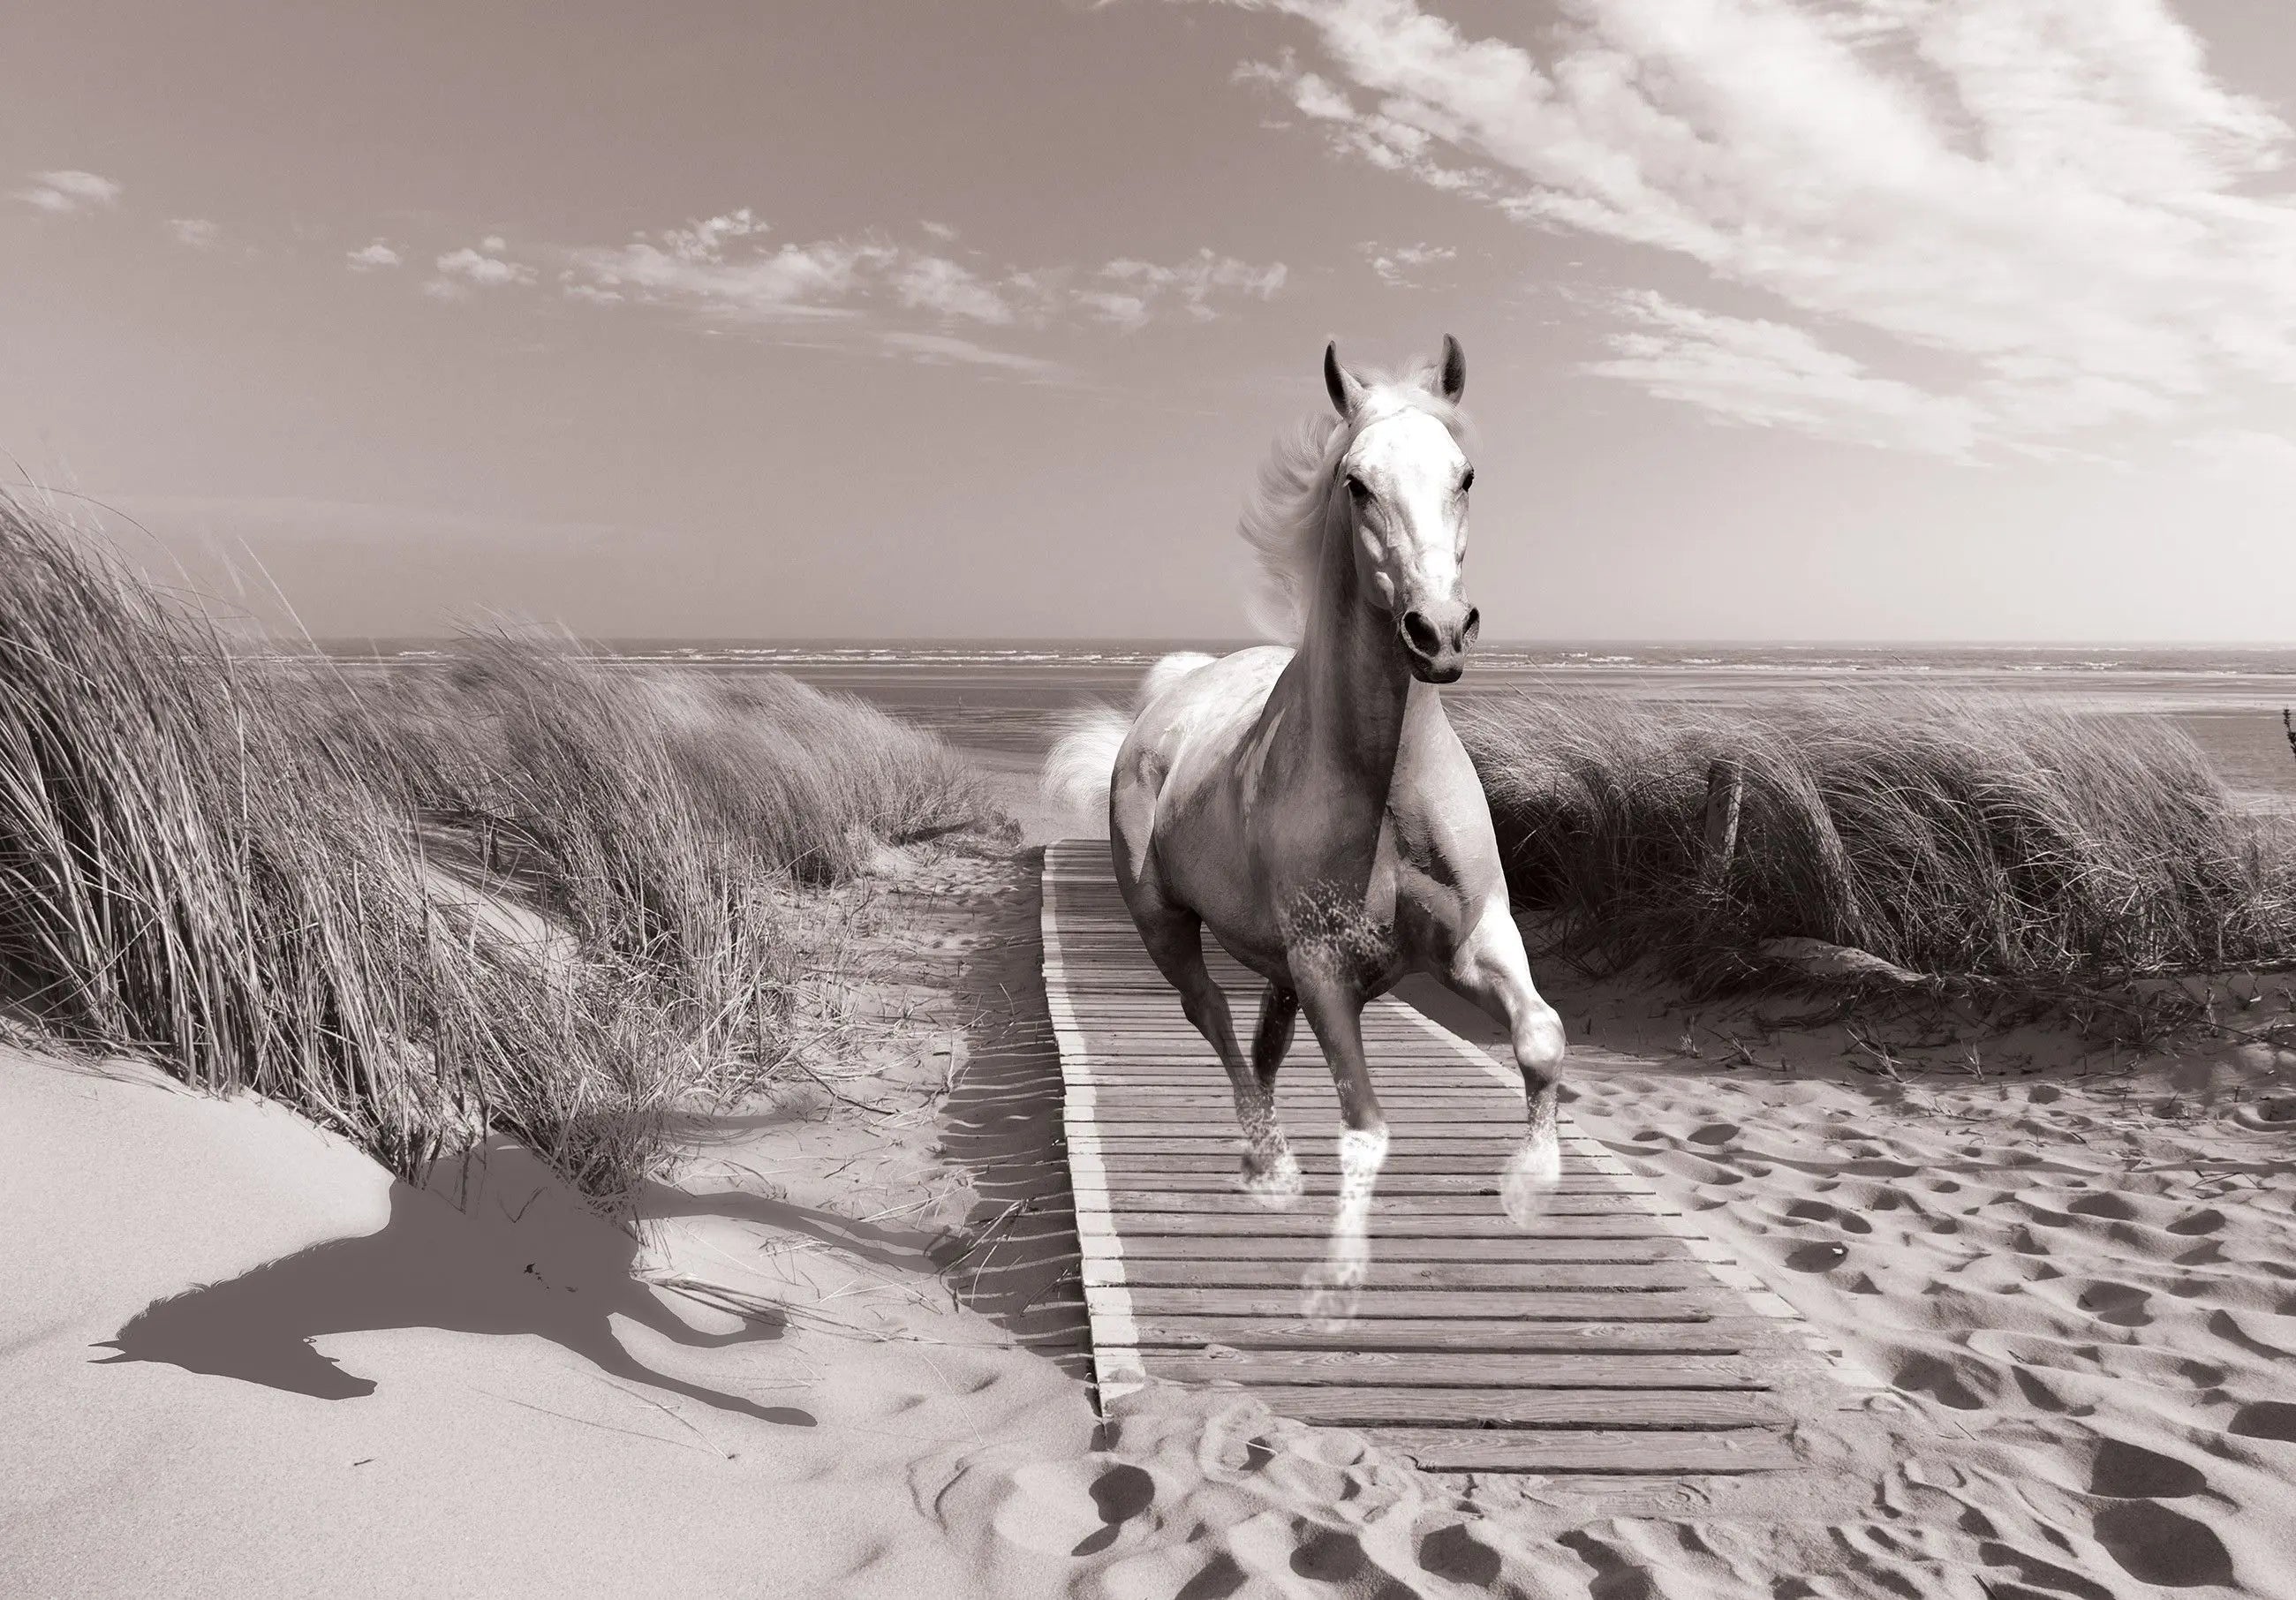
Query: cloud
point(2053, 201)
point(1189, 287)
point(196, 232)
point(377, 256)
point(1767, 375)
point(1396, 265)
point(910, 299)
point(940, 231)
point(67, 191)
point(460, 271)
point(944, 348)
point(936, 284)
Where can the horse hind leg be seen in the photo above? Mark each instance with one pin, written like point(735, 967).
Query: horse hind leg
point(1174, 940)
point(1492, 971)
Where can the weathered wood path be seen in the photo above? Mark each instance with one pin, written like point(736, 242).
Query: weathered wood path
point(1611, 1338)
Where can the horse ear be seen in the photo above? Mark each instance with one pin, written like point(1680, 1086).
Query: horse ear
point(1346, 389)
point(1453, 382)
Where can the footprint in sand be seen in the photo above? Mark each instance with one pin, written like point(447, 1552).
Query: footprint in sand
point(2038, 1394)
point(1119, 1494)
point(1714, 1134)
point(2224, 1326)
point(1822, 1257)
point(1941, 1380)
point(2123, 1305)
point(1219, 1578)
point(2122, 1471)
point(1458, 1555)
point(1056, 1510)
point(2155, 1545)
point(2208, 1221)
point(1327, 1554)
point(2111, 1207)
point(1817, 1210)
point(2265, 1419)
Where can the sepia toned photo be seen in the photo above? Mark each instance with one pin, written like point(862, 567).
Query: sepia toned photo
point(1148, 799)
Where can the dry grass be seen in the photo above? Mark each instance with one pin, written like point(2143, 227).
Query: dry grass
point(218, 861)
point(1947, 835)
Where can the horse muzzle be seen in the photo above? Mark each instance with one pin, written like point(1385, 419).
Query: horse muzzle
point(1436, 639)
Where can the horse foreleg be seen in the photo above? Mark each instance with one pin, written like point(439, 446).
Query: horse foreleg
point(1175, 943)
point(1271, 1172)
point(1491, 969)
point(1335, 1286)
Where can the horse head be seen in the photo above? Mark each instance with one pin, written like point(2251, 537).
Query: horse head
point(1407, 482)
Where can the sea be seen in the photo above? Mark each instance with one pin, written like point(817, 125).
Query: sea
point(1008, 696)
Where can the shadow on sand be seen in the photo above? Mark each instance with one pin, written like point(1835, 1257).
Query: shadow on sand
point(523, 1259)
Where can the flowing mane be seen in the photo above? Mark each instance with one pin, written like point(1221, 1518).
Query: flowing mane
point(1283, 520)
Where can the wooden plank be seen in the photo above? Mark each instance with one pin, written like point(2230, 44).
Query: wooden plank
point(1316, 1160)
point(1146, 1176)
point(1448, 1369)
point(1388, 1275)
point(1214, 1199)
point(1457, 1335)
point(1140, 1246)
point(1404, 1146)
point(1205, 1092)
point(1588, 1451)
point(1559, 1305)
point(1372, 1405)
point(1214, 1230)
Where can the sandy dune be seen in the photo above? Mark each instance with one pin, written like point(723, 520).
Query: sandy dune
point(238, 1359)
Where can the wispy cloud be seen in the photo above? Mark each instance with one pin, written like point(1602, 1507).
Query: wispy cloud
point(949, 347)
point(463, 270)
point(377, 256)
point(2055, 195)
point(1143, 288)
point(1398, 265)
point(1770, 375)
point(67, 191)
point(196, 233)
point(914, 300)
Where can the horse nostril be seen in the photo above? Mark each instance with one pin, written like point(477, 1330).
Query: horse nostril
point(1420, 634)
point(1471, 628)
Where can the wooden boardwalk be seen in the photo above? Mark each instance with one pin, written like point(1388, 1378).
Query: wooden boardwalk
point(1609, 1339)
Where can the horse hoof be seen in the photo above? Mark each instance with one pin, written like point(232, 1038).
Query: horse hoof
point(1531, 1176)
point(1276, 1185)
point(1330, 1294)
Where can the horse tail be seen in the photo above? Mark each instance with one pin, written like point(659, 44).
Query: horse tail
point(1167, 672)
point(1082, 764)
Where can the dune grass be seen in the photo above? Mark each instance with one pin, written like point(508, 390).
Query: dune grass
point(1947, 834)
point(222, 861)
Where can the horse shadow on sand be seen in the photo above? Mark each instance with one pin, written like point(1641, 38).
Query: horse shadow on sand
point(519, 1256)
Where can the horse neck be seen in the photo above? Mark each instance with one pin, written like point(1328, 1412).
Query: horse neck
point(1356, 685)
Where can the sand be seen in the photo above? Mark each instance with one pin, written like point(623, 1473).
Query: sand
point(237, 1359)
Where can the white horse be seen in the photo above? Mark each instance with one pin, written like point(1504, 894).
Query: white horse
point(1311, 804)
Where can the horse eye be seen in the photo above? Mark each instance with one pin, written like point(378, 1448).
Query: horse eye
point(1468, 482)
point(1356, 487)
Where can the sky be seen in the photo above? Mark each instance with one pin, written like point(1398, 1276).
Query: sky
point(1785, 319)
